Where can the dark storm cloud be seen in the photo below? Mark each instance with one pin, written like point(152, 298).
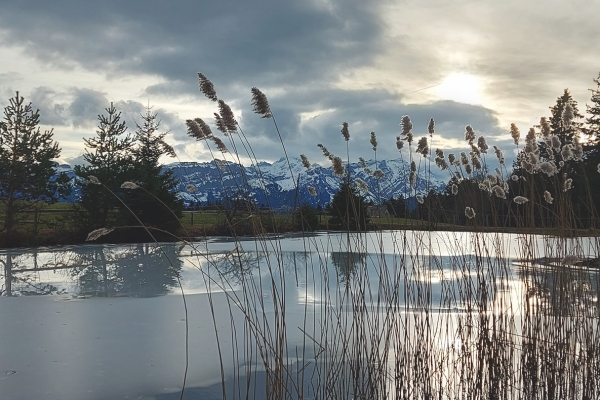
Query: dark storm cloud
point(267, 41)
point(288, 121)
point(270, 43)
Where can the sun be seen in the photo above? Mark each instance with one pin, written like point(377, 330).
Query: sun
point(460, 87)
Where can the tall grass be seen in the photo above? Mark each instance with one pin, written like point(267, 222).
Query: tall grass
point(404, 314)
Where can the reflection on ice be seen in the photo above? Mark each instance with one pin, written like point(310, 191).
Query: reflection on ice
point(141, 270)
point(378, 315)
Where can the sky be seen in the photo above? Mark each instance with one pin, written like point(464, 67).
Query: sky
point(319, 62)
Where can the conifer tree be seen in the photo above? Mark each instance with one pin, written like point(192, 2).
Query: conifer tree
point(592, 148)
point(26, 165)
point(564, 124)
point(348, 208)
point(154, 202)
point(593, 110)
point(565, 131)
point(109, 155)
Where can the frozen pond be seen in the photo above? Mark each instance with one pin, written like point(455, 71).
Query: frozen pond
point(327, 314)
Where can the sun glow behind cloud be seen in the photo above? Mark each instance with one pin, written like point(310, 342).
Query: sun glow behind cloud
point(460, 87)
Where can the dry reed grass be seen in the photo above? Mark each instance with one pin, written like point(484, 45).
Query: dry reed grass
point(406, 314)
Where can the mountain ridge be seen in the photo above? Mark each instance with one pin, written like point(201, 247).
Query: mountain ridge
point(271, 184)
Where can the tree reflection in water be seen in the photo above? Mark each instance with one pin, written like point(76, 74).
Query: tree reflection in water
point(19, 268)
point(233, 266)
point(347, 264)
point(142, 270)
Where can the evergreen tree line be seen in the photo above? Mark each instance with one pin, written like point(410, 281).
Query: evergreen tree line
point(122, 185)
point(116, 157)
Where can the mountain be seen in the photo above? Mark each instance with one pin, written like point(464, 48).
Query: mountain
point(66, 169)
point(271, 185)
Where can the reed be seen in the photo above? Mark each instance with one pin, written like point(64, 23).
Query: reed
point(410, 313)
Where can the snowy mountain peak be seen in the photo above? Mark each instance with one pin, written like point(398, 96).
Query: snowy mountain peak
point(275, 186)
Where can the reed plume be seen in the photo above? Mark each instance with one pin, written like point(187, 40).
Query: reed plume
point(469, 134)
point(129, 185)
point(423, 147)
point(227, 117)
point(206, 87)
point(515, 133)
point(520, 199)
point(305, 161)
point(260, 104)
point(345, 131)
point(469, 212)
point(373, 141)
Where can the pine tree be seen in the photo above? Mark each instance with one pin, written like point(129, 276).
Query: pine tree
point(348, 208)
point(564, 124)
point(565, 131)
point(26, 164)
point(593, 121)
point(306, 218)
point(592, 148)
point(109, 155)
point(154, 203)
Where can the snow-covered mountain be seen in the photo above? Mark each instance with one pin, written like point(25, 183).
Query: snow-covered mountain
point(272, 185)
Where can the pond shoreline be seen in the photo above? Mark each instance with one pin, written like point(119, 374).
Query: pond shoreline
point(124, 236)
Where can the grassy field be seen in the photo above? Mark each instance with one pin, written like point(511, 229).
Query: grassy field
point(53, 224)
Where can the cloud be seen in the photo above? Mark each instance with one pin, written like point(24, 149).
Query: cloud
point(303, 123)
point(265, 41)
point(85, 107)
point(315, 115)
point(172, 88)
point(133, 111)
point(78, 160)
point(321, 62)
point(7, 91)
point(42, 99)
point(51, 113)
